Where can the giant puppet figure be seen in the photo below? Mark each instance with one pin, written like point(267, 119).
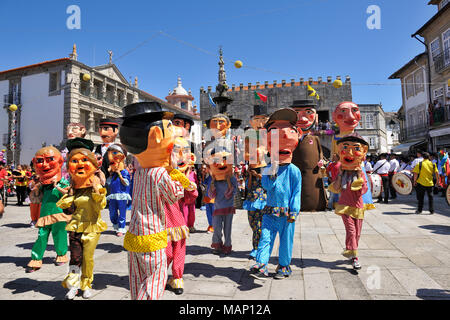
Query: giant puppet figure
point(48, 163)
point(148, 133)
point(308, 157)
point(347, 116)
point(351, 184)
point(282, 180)
point(108, 130)
point(84, 202)
point(176, 223)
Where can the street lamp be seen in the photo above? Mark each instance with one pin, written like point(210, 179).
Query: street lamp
point(391, 124)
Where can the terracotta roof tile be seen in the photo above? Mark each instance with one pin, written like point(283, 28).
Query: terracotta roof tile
point(35, 65)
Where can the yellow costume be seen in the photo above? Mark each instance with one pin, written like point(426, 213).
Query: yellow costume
point(84, 232)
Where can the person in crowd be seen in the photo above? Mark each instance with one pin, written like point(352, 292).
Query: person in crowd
point(425, 177)
point(394, 168)
point(382, 168)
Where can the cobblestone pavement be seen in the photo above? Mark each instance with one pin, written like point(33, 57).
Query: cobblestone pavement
point(403, 256)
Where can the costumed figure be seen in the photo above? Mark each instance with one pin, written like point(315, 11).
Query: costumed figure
point(282, 181)
point(35, 200)
point(444, 170)
point(51, 187)
point(119, 187)
point(209, 202)
point(84, 202)
point(347, 116)
point(74, 130)
point(255, 198)
point(351, 184)
point(108, 130)
point(222, 188)
point(177, 230)
point(148, 133)
point(308, 157)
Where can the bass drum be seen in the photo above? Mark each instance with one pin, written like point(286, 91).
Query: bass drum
point(447, 195)
point(376, 184)
point(402, 183)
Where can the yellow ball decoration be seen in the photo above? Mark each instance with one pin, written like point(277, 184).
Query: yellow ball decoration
point(337, 83)
point(86, 77)
point(238, 64)
point(13, 108)
point(448, 82)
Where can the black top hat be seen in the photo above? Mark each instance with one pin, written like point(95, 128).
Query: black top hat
point(303, 104)
point(287, 114)
point(76, 143)
point(184, 117)
point(353, 137)
point(108, 122)
point(260, 110)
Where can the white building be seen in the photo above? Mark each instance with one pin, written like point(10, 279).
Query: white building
point(372, 127)
point(51, 94)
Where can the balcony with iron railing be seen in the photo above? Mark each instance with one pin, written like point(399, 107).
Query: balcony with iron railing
point(442, 61)
point(9, 99)
point(439, 116)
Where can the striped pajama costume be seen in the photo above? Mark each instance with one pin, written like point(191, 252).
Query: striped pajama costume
point(146, 239)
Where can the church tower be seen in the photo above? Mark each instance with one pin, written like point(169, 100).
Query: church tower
point(181, 98)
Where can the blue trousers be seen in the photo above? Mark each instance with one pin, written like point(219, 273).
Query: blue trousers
point(118, 214)
point(209, 212)
point(271, 225)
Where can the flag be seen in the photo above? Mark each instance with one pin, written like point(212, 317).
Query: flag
point(211, 102)
point(260, 96)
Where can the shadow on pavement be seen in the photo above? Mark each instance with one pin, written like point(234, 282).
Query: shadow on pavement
point(23, 261)
point(49, 288)
point(207, 270)
point(196, 250)
point(331, 265)
point(17, 225)
point(436, 228)
point(110, 247)
point(29, 246)
point(102, 280)
point(433, 294)
point(396, 213)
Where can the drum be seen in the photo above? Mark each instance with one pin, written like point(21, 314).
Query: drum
point(402, 183)
point(447, 195)
point(376, 184)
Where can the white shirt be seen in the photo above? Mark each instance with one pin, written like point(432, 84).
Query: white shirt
point(416, 161)
point(381, 167)
point(368, 166)
point(394, 165)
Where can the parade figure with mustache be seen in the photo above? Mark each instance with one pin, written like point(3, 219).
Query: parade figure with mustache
point(74, 130)
point(108, 130)
point(282, 181)
point(222, 187)
point(308, 157)
point(119, 188)
point(351, 184)
point(177, 230)
point(148, 133)
point(347, 116)
point(84, 202)
point(48, 163)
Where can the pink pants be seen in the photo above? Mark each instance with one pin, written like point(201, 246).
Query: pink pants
point(353, 231)
point(176, 253)
point(189, 214)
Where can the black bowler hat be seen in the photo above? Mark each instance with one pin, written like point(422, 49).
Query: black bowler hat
point(303, 104)
point(353, 137)
point(146, 111)
point(260, 110)
point(76, 143)
point(184, 117)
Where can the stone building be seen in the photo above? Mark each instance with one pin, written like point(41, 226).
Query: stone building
point(51, 94)
point(372, 127)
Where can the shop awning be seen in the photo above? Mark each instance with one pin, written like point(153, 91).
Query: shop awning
point(405, 146)
point(441, 131)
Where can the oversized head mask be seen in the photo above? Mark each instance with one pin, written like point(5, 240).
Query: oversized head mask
point(219, 157)
point(221, 123)
point(116, 157)
point(182, 154)
point(347, 116)
point(48, 163)
point(108, 130)
point(306, 114)
point(82, 165)
point(352, 151)
point(75, 130)
point(282, 135)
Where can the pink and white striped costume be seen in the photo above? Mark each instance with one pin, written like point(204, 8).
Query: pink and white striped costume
point(146, 239)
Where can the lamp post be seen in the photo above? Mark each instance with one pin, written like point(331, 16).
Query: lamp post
point(12, 141)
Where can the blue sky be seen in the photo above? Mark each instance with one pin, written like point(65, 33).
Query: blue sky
point(276, 40)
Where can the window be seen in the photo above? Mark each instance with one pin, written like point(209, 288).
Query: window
point(84, 117)
point(420, 121)
point(54, 81)
point(439, 92)
point(446, 47)
point(419, 81)
point(409, 86)
point(435, 49)
point(369, 121)
point(184, 105)
point(372, 142)
point(411, 120)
